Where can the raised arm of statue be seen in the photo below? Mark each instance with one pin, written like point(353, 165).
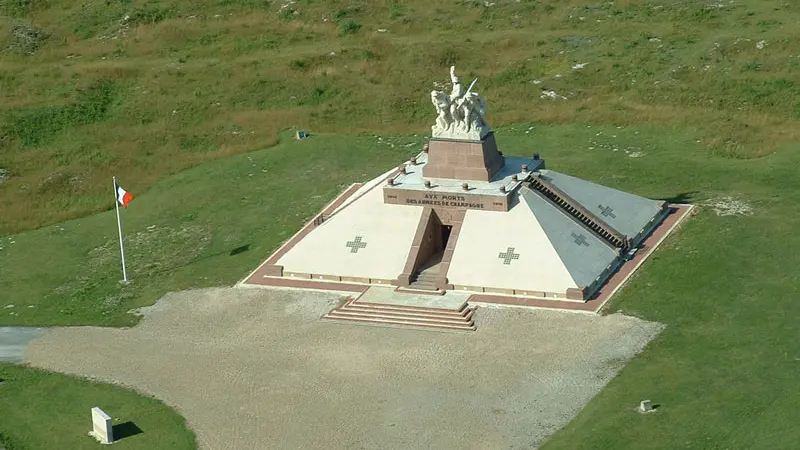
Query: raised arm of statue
point(458, 88)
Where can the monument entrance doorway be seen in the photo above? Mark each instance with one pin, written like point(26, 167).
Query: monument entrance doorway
point(446, 230)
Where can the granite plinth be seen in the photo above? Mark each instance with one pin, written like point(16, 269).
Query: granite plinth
point(409, 188)
point(464, 160)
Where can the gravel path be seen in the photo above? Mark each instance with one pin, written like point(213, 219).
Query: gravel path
point(256, 369)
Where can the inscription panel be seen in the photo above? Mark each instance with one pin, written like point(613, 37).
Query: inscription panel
point(446, 200)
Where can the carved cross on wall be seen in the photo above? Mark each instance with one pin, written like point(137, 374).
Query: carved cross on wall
point(508, 256)
point(607, 211)
point(580, 239)
point(356, 244)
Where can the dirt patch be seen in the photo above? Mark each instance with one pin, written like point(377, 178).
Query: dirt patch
point(729, 206)
point(253, 369)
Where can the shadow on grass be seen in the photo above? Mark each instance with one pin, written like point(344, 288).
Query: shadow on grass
point(126, 429)
point(234, 252)
point(241, 249)
point(683, 197)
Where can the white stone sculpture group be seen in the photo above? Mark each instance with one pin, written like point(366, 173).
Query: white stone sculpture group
point(460, 115)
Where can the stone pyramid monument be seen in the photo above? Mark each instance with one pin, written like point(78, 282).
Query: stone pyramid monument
point(462, 216)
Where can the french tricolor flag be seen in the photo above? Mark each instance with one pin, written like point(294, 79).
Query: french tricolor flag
point(123, 196)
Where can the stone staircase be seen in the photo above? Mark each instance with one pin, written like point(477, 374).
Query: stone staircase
point(426, 276)
point(417, 317)
point(425, 280)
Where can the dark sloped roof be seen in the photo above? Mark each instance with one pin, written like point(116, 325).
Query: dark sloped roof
point(582, 252)
point(626, 213)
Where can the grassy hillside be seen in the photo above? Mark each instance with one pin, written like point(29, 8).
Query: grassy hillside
point(142, 89)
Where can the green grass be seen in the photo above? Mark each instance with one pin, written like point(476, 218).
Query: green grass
point(42, 410)
point(34, 127)
point(183, 76)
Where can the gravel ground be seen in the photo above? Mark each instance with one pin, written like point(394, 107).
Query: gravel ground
point(256, 369)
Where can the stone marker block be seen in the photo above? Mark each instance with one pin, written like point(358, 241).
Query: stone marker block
point(645, 406)
point(101, 426)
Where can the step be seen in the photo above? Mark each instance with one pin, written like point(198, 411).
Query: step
point(426, 279)
point(453, 315)
point(382, 316)
point(407, 314)
point(400, 315)
point(423, 287)
point(431, 275)
point(411, 290)
point(423, 280)
point(404, 324)
point(430, 270)
point(408, 309)
point(424, 309)
point(392, 324)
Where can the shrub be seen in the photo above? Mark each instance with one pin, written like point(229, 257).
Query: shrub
point(298, 64)
point(349, 26)
point(27, 39)
point(15, 8)
point(150, 14)
point(286, 14)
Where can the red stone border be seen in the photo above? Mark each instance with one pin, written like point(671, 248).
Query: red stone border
point(677, 215)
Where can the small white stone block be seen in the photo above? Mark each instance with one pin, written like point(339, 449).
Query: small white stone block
point(645, 406)
point(101, 426)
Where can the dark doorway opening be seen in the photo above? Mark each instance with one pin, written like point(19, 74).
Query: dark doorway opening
point(446, 229)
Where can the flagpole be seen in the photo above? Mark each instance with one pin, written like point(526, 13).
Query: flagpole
point(119, 227)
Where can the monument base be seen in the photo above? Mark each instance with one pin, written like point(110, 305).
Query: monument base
point(463, 160)
point(100, 438)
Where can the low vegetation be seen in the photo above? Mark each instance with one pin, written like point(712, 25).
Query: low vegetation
point(169, 84)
